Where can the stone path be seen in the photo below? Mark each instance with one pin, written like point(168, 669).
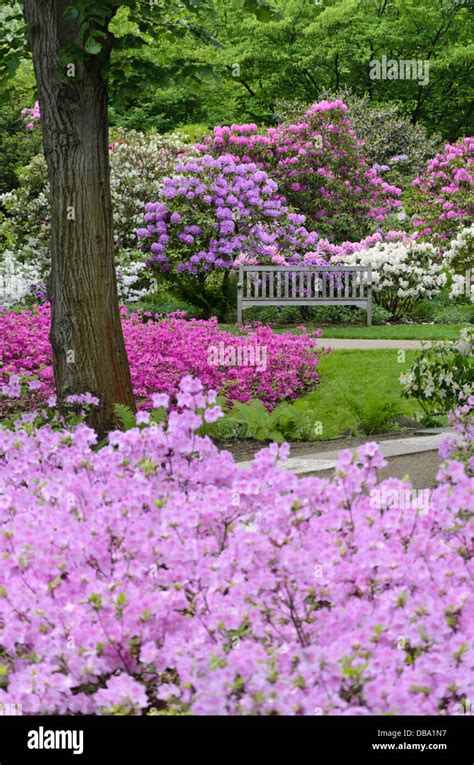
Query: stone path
point(399, 452)
point(370, 345)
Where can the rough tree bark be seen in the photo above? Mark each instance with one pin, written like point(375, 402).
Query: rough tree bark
point(86, 332)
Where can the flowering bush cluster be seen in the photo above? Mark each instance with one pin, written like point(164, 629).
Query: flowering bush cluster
point(19, 282)
point(214, 209)
point(26, 225)
point(319, 167)
point(404, 272)
point(326, 252)
point(442, 197)
point(155, 574)
point(461, 446)
point(133, 278)
point(138, 165)
point(214, 212)
point(462, 287)
point(442, 374)
point(459, 258)
point(394, 145)
point(31, 116)
point(391, 139)
point(160, 353)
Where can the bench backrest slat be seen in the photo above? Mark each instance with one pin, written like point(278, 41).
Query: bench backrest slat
point(350, 285)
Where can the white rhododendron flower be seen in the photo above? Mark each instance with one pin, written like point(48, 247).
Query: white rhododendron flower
point(403, 272)
point(459, 256)
point(16, 280)
point(129, 277)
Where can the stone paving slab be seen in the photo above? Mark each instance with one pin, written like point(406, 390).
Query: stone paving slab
point(398, 447)
point(350, 344)
point(432, 431)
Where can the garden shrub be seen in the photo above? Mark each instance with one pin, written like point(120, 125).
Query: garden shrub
point(20, 283)
point(404, 272)
point(441, 200)
point(154, 573)
point(320, 169)
point(324, 251)
point(189, 132)
point(459, 256)
point(211, 215)
point(155, 311)
point(17, 145)
point(329, 314)
point(456, 314)
point(138, 165)
point(461, 288)
point(460, 447)
point(26, 222)
point(442, 309)
point(374, 415)
point(280, 316)
point(251, 420)
point(272, 367)
point(347, 315)
point(442, 374)
point(397, 147)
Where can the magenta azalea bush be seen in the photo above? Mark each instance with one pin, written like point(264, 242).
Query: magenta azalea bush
point(442, 198)
point(258, 364)
point(155, 574)
point(320, 169)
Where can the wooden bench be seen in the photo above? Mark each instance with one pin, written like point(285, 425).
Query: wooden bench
point(304, 285)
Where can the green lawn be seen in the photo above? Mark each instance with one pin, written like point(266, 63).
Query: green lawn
point(359, 393)
point(397, 332)
point(380, 332)
point(367, 379)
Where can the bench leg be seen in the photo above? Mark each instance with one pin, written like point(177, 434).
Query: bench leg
point(239, 313)
point(369, 313)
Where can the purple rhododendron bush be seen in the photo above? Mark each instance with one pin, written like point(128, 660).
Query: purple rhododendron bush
point(235, 210)
point(161, 353)
point(155, 573)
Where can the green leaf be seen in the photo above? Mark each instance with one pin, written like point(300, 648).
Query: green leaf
point(71, 12)
point(83, 28)
point(92, 46)
point(125, 415)
point(261, 10)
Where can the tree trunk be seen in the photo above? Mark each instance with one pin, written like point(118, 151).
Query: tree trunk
point(86, 333)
